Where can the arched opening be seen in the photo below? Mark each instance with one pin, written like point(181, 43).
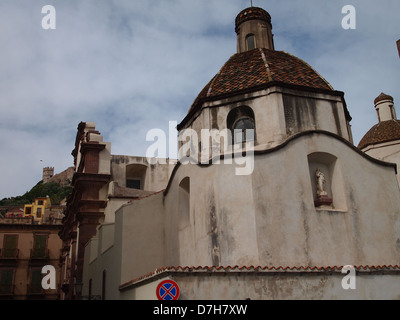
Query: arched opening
point(241, 122)
point(184, 203)
point(326, 181)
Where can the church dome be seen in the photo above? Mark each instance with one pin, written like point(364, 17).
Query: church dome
point(257, 66)
point(388, 127)
point(384, 131)
point(259, 69)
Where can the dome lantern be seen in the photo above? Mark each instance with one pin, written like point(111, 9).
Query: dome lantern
point(254, 30)
point(384, 107)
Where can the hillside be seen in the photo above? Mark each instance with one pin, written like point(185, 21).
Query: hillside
point(57, 189)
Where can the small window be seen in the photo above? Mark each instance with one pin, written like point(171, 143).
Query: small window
point(135, 176)
point(38, 212)
point(40, 202)
point(241, 123)
point(251, 42)
point(133, 184)
point(28, 211)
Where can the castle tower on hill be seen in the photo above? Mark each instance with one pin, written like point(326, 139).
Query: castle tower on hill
point(48, 173)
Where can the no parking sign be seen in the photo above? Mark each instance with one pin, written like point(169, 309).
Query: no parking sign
point(167, 290)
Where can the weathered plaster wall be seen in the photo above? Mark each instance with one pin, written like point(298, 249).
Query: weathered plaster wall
point(387, 151)
point(278, 113)
point(289, 285)
point(156, 177)
point(292, 286)
point(269, 218)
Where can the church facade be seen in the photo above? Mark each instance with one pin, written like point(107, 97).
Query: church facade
point(311, 204)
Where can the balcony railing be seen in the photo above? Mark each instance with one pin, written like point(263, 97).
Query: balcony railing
point(16, 220)
point(40, 254)
point(35, 289)
point(9, 253)
point(6, 289)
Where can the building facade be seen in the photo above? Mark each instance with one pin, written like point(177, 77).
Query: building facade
point(307, 204)
point(25, 248)
point(102, 183)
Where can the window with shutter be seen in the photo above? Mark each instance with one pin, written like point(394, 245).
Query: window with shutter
point(6, 281)
point(39, 246)
point(36, 281)
point(10, 246)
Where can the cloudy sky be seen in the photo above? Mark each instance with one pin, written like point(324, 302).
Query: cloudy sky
point(134, 65)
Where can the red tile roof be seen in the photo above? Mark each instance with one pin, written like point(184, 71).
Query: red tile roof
point(384, 131)
point(259, 68)
point(249, 269)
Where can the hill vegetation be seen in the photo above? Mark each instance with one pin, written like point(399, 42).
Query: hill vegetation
point(55, 191)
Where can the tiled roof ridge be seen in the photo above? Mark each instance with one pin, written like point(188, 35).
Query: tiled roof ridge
point(266, 65)
point(252, 268)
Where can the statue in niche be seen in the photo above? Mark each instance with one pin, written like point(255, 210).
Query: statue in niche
point(320, 179)
point(322, 195)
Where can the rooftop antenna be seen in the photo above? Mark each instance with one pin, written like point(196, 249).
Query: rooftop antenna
point(251, 3)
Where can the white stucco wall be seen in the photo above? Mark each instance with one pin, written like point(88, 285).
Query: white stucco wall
point(270, 218)
point(387, 151)
point(278, 113)
point(277, 285)
point(267, 218)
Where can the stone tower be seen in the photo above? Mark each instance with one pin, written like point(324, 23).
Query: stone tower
point(48, 173)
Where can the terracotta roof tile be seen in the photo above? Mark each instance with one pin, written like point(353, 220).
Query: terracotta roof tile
point(260, 67)
point(384, 131)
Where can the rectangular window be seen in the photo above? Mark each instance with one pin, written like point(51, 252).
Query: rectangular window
point(38, 212)
point(251, 42)
point(35, 286)
point(28, 211)
point(6, 281)
point(39, 246)
point(10, 248)
point(133, 183)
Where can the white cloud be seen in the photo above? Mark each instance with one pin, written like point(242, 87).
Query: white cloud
point(131, 66)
